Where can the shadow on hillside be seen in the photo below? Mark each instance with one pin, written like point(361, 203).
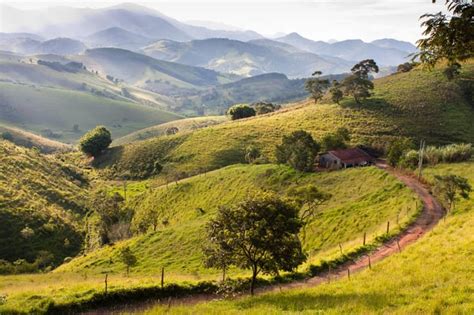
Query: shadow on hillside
point(312, 302)
point(228, 156)
point(373, 104)
point(109, 157)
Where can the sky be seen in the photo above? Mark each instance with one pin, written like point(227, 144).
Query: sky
point(315, 19)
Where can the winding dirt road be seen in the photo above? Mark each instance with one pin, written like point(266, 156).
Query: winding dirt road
point(432, 212)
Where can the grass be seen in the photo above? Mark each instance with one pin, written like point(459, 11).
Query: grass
point(363, 200)
point(433, 276)
point(419, 104)
point(184, 125)
point(30, 140)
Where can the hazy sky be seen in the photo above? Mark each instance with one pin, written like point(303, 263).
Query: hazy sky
point(315, 19)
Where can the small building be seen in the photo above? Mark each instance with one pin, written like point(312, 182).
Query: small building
point(344, 158)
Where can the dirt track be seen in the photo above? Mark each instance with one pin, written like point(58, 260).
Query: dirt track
point(432, 212)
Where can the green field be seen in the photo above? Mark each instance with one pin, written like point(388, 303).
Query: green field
point(418, 104)
point(184, 125)
point(433, 276)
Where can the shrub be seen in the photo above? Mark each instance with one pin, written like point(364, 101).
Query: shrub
point(265, 108)
point(241, 111)
point(95, 141)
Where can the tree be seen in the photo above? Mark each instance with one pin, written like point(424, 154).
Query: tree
point(308, 198)
point(260, 234)
point(128, 258)
point(364, 68)
point(316, 86)
point(337, 140)
point(251, 154)
point(95, 141)
point(240, 111)
point(336, 92)
point(265, 108)
point(298, 150)
point(358, 84)
point(405, 67)
point(449, 37)
point(396, 151)
point(450, 187)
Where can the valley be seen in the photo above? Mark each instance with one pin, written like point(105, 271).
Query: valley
point(236, 158)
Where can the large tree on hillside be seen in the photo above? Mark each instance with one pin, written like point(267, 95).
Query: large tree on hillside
point(358, 84)
point(260, 234)
point(240, 111)
point(449, 37)
point(316, 86)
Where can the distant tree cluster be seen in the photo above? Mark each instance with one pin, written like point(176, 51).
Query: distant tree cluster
point(262, 108)
point(298, 150)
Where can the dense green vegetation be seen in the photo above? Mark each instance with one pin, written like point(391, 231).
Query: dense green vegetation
point(363, 200)
point(41, 202)
point(419, 104)
point(434, 275)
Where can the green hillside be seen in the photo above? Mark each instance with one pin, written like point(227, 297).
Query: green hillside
point(30, 140)
point(53, 112)
point(433, 276)
point(363, 200)
point(41, 200)
point(418, 104)
point(184, 125)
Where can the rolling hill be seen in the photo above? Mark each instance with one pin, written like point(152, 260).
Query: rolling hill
point(419, 104)
point(244, 58)
point(117, 37)
point(49, 94)
point(163, 77)
point(435, 275)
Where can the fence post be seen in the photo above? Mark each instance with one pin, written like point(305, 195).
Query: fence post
point(162, 277)
point(398, 245)
point(388, 227)
point(105, 281)
point(365, 235)
point(348, 274)
point(370, 263)
point(340, 248)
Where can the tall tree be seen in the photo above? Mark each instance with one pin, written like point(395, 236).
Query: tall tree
point(316, 86)
point(260, 234)
point(358, 84)
point(128, 258)
point(450, 187)
point(336, 92)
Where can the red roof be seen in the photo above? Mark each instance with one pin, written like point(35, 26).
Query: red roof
point(351, 156)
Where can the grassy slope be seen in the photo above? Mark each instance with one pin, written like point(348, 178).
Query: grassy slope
point(39, 192)
point(183, 125)
point(37, 108)
point(417, 104)
point(363, 200)
point(433, 276)
point(30, 140)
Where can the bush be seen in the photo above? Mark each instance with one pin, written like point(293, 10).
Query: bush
point(95, 141)
point(265, 108)
point(241, 111)
point(6, 136)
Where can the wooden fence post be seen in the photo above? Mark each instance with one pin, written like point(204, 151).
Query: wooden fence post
point(370, 263)
point(162, 277)
point(388, 227)
point(105, 281)
point(365, 235)
point(348, 274)
point(340, 248)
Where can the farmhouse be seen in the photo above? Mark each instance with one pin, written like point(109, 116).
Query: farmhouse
point(345, 158)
